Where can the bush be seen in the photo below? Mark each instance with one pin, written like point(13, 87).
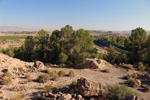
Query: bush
point(127, 66)
point(141, 67)
point(28, 77)
point(133, 83)
point(107, 70)
point(6, 80)
point(118, 92)
point(51, 72)
point(48, 88)
point(17, 97)
point(71, 73)
point(43, 78)
point(73, 84)
point(61, 73)
point(8, 74)
point(56, 77)
point(134, 75)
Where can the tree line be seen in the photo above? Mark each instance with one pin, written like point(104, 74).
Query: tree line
point(63, 46)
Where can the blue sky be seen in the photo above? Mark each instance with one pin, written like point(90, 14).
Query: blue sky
point(87, 14)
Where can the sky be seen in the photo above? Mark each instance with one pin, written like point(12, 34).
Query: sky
point(115, 15)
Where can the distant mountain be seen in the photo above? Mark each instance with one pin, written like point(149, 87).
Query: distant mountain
point(13, 29)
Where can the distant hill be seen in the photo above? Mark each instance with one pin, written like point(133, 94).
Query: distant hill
point(13, 29)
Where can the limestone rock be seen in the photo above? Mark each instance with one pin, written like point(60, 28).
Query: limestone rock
point(94, 64)
point(64, 97)
point(39, 65)
point(89, 88)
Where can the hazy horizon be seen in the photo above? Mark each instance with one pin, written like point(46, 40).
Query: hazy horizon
point(104, 15)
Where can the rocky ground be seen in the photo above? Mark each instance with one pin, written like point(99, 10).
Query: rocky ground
point(29, 90)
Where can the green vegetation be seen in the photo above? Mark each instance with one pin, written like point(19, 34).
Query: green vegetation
point(73, 84)
point(118, 92)
point(64, 46)
point(133, 82)
point(13, 37)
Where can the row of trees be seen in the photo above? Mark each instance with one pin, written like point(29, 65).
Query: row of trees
point(64, 46)
point(138, 47)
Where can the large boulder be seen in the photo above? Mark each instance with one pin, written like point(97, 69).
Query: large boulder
point(38, 65)
point(88, 88)
point(94, 64)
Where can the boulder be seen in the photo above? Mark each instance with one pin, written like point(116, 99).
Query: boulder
point(88, 88)
point(39, 65)
point(94, 64)
point(65, 97)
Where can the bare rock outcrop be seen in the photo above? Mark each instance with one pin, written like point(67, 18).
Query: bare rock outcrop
point(38, 65)
point(12, 64)
point(88, 88)
point(94, 64)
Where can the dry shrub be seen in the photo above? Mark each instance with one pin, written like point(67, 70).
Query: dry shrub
point(28, 77)
point(48, 87)
point(141, 66)
point(6, 80)
point(43, 78)
point(56, 77)
point(73, 84)
point(127, 66)
point(134, 75)
point(17, 97)
point(133, 82)
point(51, 72)
point(72, 73)
point(61, 73)
point(8, 74)
point(19, 88)
point(107, 70)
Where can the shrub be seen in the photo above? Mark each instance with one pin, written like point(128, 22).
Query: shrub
point(8, 74)
point(6, 80)
point(43, 78)
point(71, 73)
point(118, 92)
point(28, 77)
point(61, 73)
point(19, 88)
point(51, 72)
point(17, 97)
point(141, 67)
point(48, 88)
point(128, 66)
point(134, 75)
point(107, 70)
point(133, 82)
point(73, 84)
point(55, 77)
point(20, 69)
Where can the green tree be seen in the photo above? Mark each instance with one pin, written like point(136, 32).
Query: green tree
point(136, 45)
point(111, 56)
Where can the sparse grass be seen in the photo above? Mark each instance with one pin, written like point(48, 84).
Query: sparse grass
point(133, 82)
point(48, 87)
point(134, 75)
point(61, 73)
point(6, 80)
point(28, 77)
point(73, 84)
point(56, 77)
point(127, 66)
point(8, 74)
point(107, 70)
point(18, 96)
point(72, 73)
point(19, 88)
point(51, 72)
point(141, 66)
point(43, 78)
point(118, 92)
